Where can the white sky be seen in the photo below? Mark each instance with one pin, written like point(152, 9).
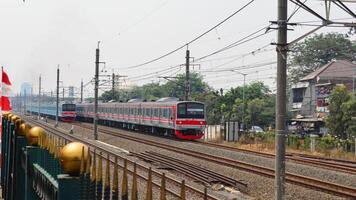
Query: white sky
point(38, 35)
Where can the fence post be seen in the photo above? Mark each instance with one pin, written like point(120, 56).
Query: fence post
point(312, 142)
point(67, 184)
point(355, 146)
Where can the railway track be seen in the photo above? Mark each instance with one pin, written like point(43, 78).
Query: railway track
point(345, 166)
point(316, 184)
point(68, 137)
point(200, 174)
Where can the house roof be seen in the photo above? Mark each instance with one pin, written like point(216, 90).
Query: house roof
point(334, 69)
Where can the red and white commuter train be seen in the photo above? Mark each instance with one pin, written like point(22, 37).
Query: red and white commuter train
point(167, 116)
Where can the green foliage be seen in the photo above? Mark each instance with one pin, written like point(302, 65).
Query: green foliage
point(318, 50)
point(337, 121)
point(349, 117)
point(327, 142)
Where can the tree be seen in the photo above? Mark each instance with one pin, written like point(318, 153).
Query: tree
point(336, 120)
point(349, 110)
point(154, 91)
point(318, 50)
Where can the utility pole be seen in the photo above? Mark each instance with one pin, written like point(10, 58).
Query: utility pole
point(63, 94)
point(81, 91)
point(113, 86)
point(243, 104)
point(24, 102)
point(96, 87)
point(187, 84)
point(39, 98)
point(281, 100)
point(57, 97)
point(31, 99)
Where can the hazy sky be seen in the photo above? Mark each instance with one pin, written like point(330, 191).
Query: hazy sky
point(37, 35)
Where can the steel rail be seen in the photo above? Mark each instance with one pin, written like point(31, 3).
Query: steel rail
point(316, 184)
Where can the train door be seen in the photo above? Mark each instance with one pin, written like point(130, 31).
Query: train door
point(170, 116)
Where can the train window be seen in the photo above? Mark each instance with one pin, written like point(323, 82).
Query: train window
point(190, 110)
point(181, 110)
point(169, 113)
point(68, 107)
point(165, 113)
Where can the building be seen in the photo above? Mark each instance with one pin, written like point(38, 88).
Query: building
point(309, 97)
point(26, 89)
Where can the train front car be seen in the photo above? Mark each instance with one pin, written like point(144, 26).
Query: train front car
point(68, 113)
point(190, 120)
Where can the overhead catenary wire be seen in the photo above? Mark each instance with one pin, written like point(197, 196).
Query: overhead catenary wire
point(191, 41)
point(237, 43)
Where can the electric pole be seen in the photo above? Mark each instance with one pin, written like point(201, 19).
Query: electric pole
point(24, 102)
point(187, 84)
point(96, 87)
point(63, 94)
point(39, 98)
point(243, 104)
point(281, 100)
point(113, 86)
point(57, 97)
point(81, 91)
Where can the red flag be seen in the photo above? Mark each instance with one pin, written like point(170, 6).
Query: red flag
point(5, 104)
point(5, 78)
point(5, 91)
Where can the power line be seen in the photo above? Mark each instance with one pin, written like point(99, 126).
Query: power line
point(193, 40)
point(238, 42)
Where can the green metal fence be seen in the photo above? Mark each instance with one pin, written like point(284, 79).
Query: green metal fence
point(37, 165)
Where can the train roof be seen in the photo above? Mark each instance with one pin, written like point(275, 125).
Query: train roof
point(142, 103)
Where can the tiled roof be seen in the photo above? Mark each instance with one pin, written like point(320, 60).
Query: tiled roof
point(337, 69)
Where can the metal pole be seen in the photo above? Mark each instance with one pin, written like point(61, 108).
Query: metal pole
point(24, 103)
point(187, 85)
point(31, 100)
point(281, 100)
point(81, 91)
point(96, 79)
point(57, 97)
point(243, 103)
point(113, 86)
point(63, 94)
point(39, 98)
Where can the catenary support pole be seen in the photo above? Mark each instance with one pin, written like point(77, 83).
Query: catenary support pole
point(281, 100)
point(96, 87)
point(243, 104)
point(25, 101)
point(187, 84)
point(81, 91)
point(113, 87)
point(39, 98)
point(57, 97)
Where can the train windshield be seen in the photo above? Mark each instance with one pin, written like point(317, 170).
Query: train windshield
point(68, 107)
point(190, 110)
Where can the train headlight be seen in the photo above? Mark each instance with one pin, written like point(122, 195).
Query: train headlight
point(180, 122)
